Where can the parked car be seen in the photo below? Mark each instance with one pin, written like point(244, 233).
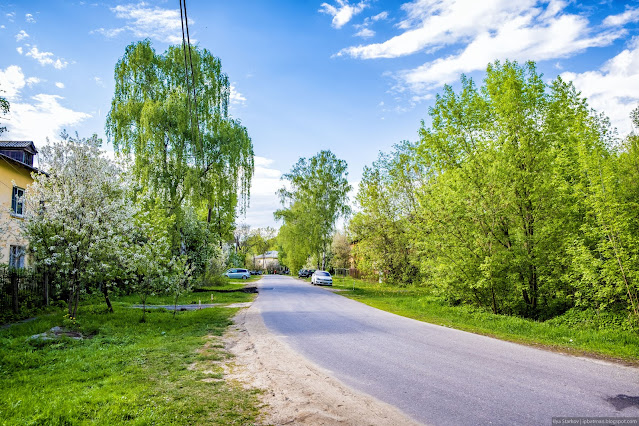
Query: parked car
point(304, 273)
point(238, 273)
point(321, 278)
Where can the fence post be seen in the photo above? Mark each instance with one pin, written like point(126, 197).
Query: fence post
point(13, 277)
point(45, 279)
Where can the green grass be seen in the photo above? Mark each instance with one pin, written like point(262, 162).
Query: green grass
point(163, 371)
point(188, 298)
point(417, 303)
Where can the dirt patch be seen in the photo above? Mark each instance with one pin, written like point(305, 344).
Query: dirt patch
point(297, 391)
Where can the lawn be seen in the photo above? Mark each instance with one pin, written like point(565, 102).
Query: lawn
point(166, 370)
point(416, 302)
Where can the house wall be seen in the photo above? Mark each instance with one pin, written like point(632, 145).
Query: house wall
point(9, 224)
point(268, 263)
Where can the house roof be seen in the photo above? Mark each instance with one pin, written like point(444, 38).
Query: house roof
point(13, 162)
point(19, 145)
point(268, 255)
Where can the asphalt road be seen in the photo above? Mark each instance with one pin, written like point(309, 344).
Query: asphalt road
point(439, 375)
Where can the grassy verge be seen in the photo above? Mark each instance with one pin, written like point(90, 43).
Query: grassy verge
point(188, 298)
point(417, 303)
point(164, 371)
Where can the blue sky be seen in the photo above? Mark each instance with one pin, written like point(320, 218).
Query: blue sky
point(354, 77)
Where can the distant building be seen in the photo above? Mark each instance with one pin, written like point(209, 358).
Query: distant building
point(16, 166)
point(268, 261)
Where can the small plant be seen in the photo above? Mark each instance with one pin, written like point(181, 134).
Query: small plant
point(69, 322)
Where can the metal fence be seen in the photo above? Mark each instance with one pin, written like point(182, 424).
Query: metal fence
point(22, 290)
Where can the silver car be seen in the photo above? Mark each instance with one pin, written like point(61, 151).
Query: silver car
point(321, 278)
point(238, 273)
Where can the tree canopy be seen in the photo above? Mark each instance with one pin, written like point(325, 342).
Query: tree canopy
point(183, 149)
point(517, 198)
point(315, 197)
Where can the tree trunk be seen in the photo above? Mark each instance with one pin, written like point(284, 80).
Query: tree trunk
point(70, 303)
point(105, 291)
point(77, 300)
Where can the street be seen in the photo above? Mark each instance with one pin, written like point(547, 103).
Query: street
point(438, 375)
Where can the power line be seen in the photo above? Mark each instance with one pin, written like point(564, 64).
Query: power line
point(188, 67)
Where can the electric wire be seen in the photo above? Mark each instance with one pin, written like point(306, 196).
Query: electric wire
point(188, 68)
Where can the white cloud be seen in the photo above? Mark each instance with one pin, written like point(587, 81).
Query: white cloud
point(11, 82)
point(109, 33)
point(236, 98)
point(266, 182)
point(21, 35)
point(380, 16)
point(29, 18)
point(343, 12)
point(614, 88)
point(46, 58)
point(33, 80)
point(148, 21)
point(98, 81)
point(19, 49)
point(515, 40)
point(485, 31)
point(59, 85)
point(43, 116)
point(10, 16)
point(630, 15)
point(365, 33)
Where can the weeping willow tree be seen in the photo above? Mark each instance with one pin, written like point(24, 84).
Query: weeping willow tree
point(173, 121)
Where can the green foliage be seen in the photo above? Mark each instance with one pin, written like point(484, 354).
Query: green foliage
point(317, 197)
point(518, 199)
point(153, 118)
point(388, 207)
point(340, 250)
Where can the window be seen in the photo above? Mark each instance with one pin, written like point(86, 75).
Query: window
point(17, 201)
point(16, 257)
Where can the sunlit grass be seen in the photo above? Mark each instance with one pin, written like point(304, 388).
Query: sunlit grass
point(127, 371)
point(419, 304)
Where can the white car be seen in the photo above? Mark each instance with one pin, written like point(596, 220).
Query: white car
point(238, 273)
point(321, 278)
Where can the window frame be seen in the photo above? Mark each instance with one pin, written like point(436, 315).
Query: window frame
point(19, 253)
point(17, 200)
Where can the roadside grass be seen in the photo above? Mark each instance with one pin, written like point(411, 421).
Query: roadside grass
point(204, 295)
point(163, 371)
point(417, 303)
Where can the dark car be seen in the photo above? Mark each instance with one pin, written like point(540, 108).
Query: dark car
point(304, 273)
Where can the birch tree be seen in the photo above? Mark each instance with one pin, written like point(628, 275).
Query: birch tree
point(317, 197)
point(176, 125)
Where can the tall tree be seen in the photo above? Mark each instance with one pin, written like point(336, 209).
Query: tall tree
point(499, 208)
point(317, 197)
point(341, 250)
point(183, 147)
point(78, 221)
point(387, 209)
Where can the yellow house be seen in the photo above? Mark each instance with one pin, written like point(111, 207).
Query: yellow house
point(267, 260)
point(16, 165)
